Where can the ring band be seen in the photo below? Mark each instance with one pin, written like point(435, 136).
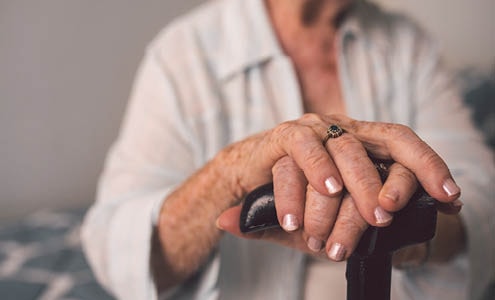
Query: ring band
point(333, 131)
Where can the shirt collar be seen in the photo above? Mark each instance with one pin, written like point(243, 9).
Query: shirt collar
point(249, 39)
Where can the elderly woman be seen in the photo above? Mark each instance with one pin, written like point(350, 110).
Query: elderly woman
point(201, 132)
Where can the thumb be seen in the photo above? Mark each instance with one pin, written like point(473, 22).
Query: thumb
point(228, 221)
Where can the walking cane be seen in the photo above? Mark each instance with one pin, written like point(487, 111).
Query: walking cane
point(369, 268)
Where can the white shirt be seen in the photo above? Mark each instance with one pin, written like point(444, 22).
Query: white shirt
point(217, 75)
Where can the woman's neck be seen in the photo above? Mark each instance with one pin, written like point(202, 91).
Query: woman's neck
point(306, 29)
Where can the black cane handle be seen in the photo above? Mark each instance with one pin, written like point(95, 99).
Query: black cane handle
point(369, 267)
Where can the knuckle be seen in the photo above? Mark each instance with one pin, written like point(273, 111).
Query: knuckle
point(399, 132)
point(294, 133)
point(355, 158)
point(427, 156)
point(403, 173)
point(351, 224)
point(310, 118)
point(317, 226)
point(284, 165)
point(361, 179)
point(284, 195)
point(355, 125)
point(283, 129)
point(398, 129)
point(346, 144)
point(318, 218)
point(302, 135)
point(313, 158)
point(365, 183)
point(318, 212)
point(349, 217)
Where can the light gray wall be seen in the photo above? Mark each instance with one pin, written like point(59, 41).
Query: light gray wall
point(66, 69)
point(466, 29)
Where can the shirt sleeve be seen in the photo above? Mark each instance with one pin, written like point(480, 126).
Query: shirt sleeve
point(152, 154)
point(443, 121)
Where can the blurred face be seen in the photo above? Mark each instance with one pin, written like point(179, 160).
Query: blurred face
point(311, 9)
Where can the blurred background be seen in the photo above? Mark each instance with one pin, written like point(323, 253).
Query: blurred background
point(66, 69)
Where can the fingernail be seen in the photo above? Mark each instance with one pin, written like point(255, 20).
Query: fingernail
point(382, 216)
point(314, 244)
point(457, 203)
point(332, 185)
point(451, 188)
point(392, 196)
point(217, 224)
point(336, 252)
point(290, 223)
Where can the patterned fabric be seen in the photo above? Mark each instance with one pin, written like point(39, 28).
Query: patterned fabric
point(41, 258)
point(479, 95)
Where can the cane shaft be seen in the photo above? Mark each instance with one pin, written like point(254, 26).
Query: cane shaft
point(369, 277)
point(369, 267)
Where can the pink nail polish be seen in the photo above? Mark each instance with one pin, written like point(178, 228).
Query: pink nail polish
point(336, 252)
point(451, 188)
point(332, 185)
point(382, 216)
point(314, 244)
point(290, 222)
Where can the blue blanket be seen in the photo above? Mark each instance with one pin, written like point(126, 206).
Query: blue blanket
point(41, 258)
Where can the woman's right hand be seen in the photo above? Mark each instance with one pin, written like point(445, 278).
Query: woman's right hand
point(309, 178)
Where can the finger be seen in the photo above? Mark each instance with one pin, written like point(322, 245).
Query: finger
point(302, 141)
point(347, 231)
point(401, 144)
point(289, 188)
point(319, 216)
point(398, 188)
point(360, 177)
point(228, 221)
point(451, 208)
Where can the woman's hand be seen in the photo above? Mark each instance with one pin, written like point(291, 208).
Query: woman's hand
point(309, 178)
